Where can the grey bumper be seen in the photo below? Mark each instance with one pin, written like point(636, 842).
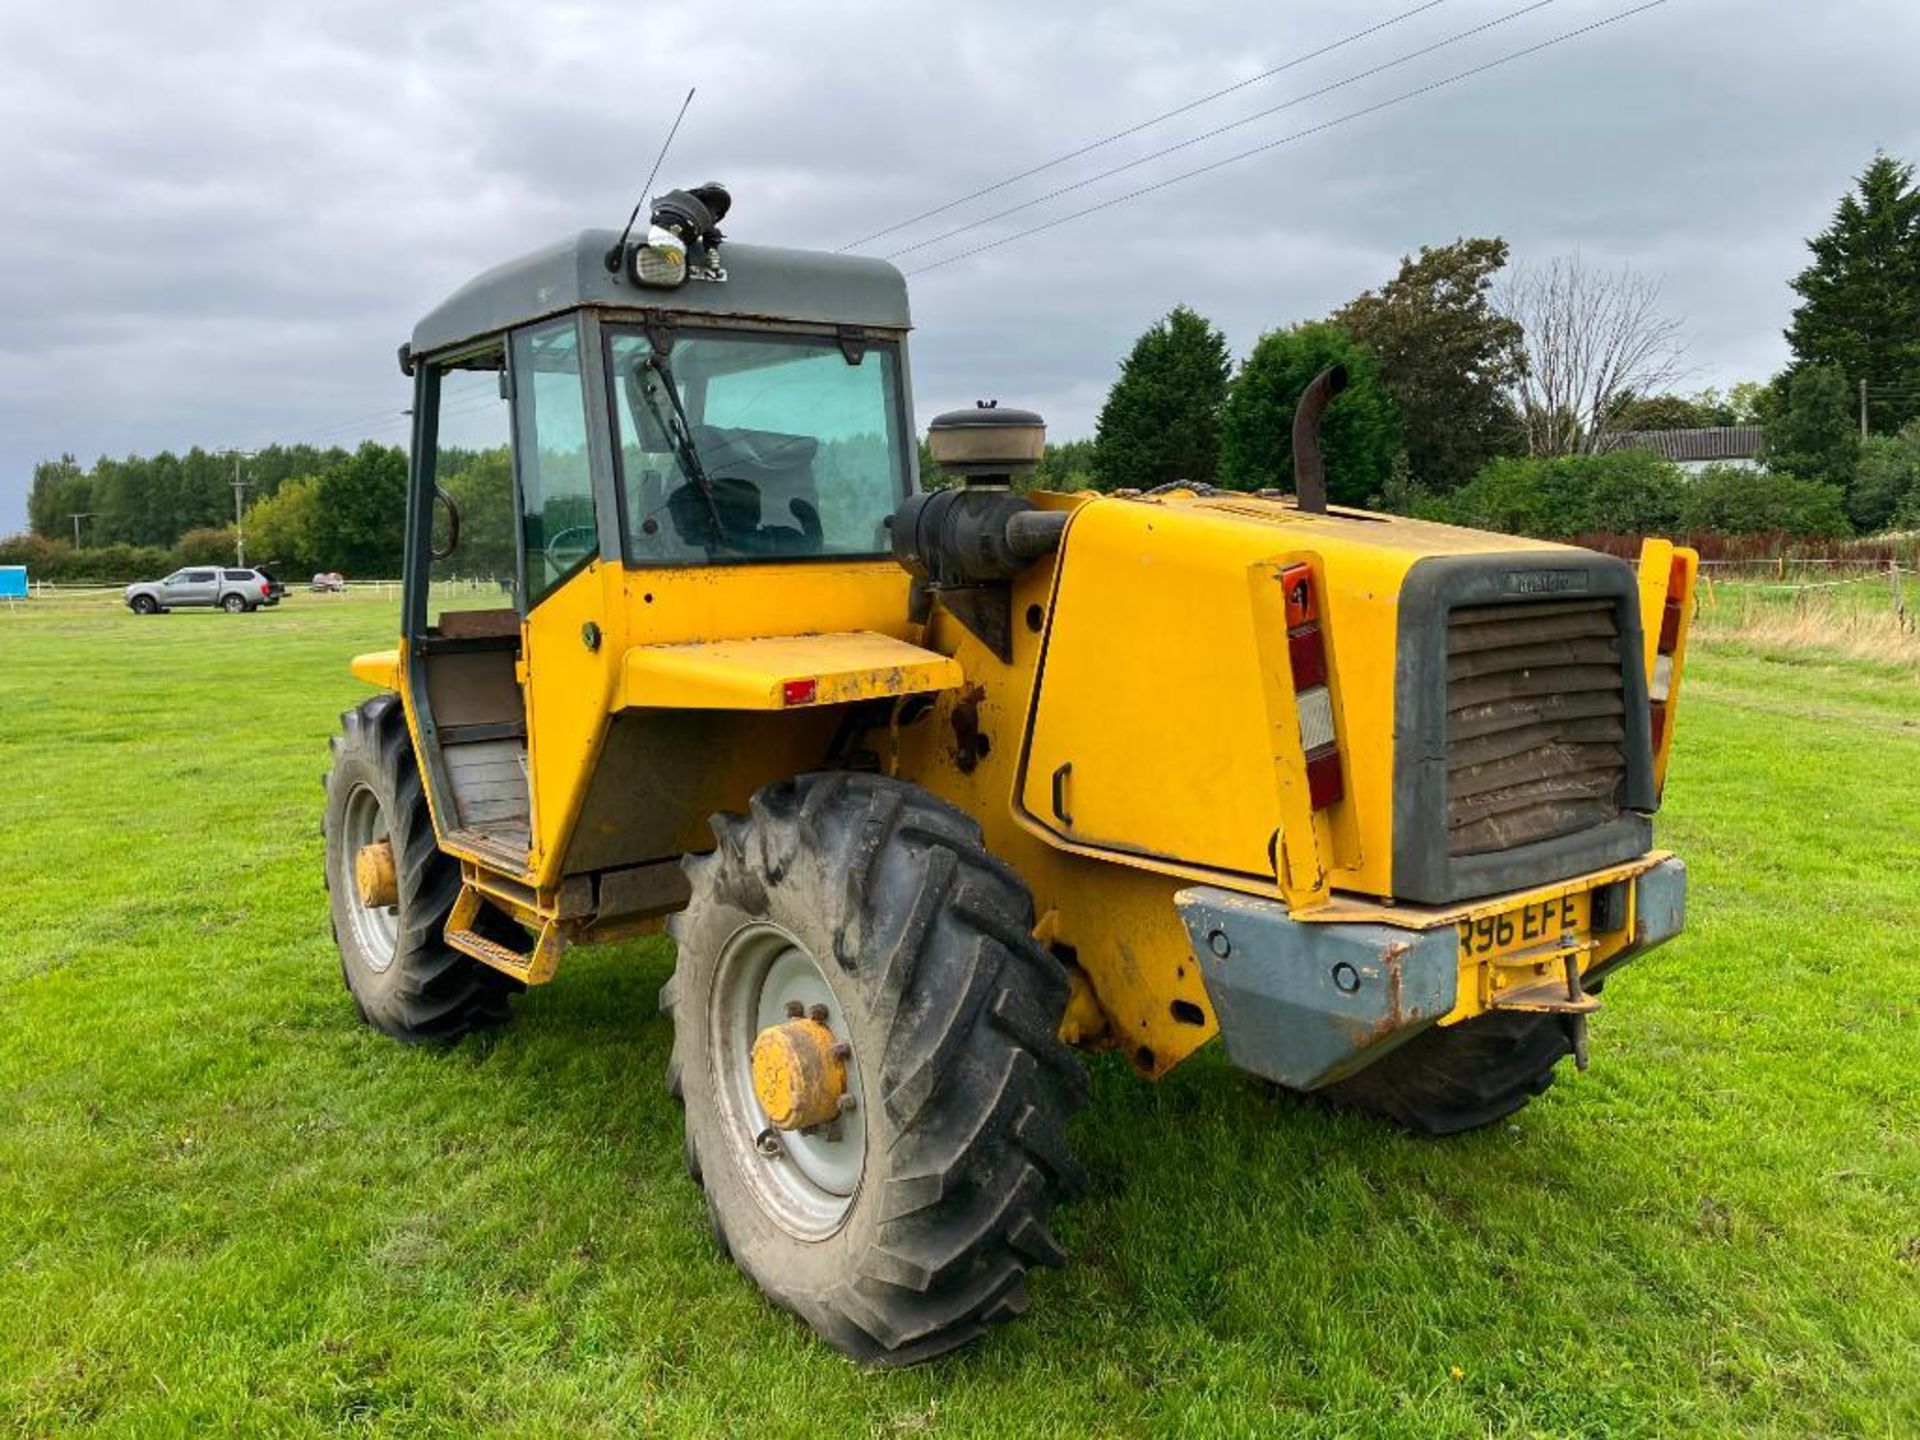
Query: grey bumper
point(1307, 1004)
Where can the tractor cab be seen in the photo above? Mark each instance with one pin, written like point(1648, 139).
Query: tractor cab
point(621, 440)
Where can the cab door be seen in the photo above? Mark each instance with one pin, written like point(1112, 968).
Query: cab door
point(569, 654)
point(462, 626)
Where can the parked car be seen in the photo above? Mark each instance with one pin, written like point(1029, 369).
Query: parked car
point(234, 591)
point(329, 582)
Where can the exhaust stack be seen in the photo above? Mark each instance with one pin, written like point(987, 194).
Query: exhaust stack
point(1309, 474)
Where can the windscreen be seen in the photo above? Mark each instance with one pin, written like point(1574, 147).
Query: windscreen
point(741, 446)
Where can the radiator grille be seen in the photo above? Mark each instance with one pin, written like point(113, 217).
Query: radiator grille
point(1536, 722)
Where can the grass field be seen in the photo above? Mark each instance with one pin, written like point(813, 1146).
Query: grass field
point(230, 1208)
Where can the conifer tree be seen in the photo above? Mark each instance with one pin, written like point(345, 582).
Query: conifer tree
point(1161, 421)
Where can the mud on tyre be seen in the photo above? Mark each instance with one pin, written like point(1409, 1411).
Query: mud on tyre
point(919, 944)
point(405, 979)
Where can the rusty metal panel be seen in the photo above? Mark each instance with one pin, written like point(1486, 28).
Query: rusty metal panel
point(1536, 722)
point(1308, 1004)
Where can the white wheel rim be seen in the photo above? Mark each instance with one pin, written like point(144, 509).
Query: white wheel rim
point(805, 1182)
point(376, 928)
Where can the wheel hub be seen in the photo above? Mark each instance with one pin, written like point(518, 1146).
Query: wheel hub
point(374, 875)
point(788, 1080)
point(375, 922)
point(799, 1073)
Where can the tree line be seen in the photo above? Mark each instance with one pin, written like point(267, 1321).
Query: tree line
point(305, 508)
point(1480, 391)
point(1496, 395)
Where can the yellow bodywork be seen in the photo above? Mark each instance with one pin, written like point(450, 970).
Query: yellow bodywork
point(1160, 633)
point(757, 674)
point(377, 667)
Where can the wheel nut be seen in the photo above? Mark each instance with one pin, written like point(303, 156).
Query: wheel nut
point(842, 1051)
point(768, 1144)
point(846, 1103)
point(818, 1014)
point(795, 1009)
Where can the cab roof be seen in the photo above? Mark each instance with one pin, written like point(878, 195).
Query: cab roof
point(763, 282)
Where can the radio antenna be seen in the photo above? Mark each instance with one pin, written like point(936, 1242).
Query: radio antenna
point(619, 250)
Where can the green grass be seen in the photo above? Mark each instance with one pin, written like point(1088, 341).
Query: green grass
point(229, 1207)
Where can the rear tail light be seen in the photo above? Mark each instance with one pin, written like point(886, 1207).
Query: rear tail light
point(265, 589)
point(1307, 655)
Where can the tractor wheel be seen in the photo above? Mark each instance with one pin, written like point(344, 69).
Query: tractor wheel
point(234, 604)
point(1446, 1081)
point(404, 978)
point(864, 1041)
point(145, 605)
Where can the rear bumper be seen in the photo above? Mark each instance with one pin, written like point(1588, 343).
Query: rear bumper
point(1307, 1003)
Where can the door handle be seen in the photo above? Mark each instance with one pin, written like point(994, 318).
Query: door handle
point(1060, 794)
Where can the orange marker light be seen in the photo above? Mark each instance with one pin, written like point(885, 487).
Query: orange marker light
point(1297, 582)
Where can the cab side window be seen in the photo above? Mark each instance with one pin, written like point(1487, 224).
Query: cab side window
point(472, 570)
point(550, 455)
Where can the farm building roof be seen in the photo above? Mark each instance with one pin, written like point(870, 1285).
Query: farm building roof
point(1716, 442)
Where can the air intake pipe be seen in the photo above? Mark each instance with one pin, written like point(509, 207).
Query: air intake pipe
point(1309, 474)
point(980, 531)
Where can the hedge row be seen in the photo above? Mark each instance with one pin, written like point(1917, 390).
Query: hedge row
point(57, 561)
point(1636, 492)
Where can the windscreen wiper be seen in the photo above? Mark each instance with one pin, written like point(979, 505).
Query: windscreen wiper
point(679, 433)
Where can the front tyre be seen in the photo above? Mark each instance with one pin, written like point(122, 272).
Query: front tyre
point(405, 979)
point(904, 1225)
point(145, 605)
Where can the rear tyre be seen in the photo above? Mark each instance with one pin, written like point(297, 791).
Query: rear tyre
point(1445, 1081)
point(145, 605)
point(404, 978)
point(911, 1230)
point(234, 604)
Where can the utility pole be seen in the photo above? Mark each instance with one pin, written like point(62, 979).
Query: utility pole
point(78, 516)
point(1863, 407)
point(239, 490)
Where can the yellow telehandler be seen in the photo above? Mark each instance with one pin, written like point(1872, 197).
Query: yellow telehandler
point(932, 788)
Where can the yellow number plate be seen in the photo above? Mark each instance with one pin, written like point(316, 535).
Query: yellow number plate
point(1525, 927)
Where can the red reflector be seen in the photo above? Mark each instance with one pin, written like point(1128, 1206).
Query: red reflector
point(1308, 654)
point(1302, 608)
point(1677, 576)
point(1670, 627)
point(799, 692)
point(1659, 722)
point(1323, 778)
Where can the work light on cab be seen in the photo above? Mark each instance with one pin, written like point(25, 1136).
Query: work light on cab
point(660, 262)
point(683, 238)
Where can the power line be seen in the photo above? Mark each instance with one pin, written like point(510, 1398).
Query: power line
point(1297, 135)
point(381, 420)
point(1106, 140)
point(1219, 130)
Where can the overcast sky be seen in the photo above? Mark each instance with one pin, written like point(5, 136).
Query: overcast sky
point(221, 219)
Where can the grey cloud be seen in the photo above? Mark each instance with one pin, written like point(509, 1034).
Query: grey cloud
point(222, 217)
